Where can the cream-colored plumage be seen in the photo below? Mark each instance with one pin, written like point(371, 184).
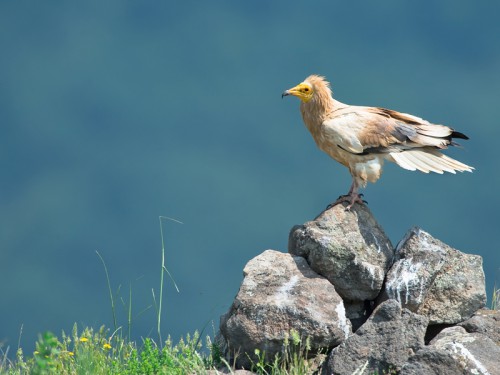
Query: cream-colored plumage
point(361, 138)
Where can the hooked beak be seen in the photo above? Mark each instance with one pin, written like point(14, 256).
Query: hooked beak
point(295, 91)
point(303, 91)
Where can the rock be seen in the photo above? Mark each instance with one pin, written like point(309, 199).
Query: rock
point(431, 361)
point(455, 351)
point(349, 248)
point(280, 294)
point(384, 343)
point(339, 266)
point(484, 321)
point(228, 371)
point(432, 279)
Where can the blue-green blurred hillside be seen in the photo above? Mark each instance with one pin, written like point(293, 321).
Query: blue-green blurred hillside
point(114, 113)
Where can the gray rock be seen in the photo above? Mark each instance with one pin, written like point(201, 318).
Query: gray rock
point(455, 351)
point(227, 371)
point(349, 248)
point(280, 294)
point(484, 321)
point(384, 343)
point(432, 279)
point(348, 253)
point(432, 361)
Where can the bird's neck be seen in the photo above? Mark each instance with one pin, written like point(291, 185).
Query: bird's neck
point(318, 109)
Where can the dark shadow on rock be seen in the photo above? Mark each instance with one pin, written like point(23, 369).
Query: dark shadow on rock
point(434, 330)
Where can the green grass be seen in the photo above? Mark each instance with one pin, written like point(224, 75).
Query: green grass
point(292, 361)
point(105, 352)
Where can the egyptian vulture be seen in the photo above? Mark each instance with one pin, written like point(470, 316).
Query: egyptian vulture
point(361, 138)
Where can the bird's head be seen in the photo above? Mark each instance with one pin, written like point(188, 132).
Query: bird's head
point(303, 91)
point(306, 90)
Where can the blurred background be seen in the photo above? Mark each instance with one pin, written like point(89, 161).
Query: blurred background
point(114, 113)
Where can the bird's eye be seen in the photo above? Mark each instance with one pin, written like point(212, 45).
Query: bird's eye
point(306, 89)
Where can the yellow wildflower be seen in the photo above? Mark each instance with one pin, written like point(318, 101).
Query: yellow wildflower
point(71, 354)
point(83, 339)
point(106, 346)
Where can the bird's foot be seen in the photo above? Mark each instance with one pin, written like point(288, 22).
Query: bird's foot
point(350, 199)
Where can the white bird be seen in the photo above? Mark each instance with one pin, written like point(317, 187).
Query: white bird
point(361, 138)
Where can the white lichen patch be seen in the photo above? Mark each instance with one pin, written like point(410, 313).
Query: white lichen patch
point(424, 241)
point(283, 296)
point(460, 350)
point(379, 248)
point(405, 278)
point(342, 324)
point(361, 369)
point(374, 273)
point(325, 241)
point(248, 286)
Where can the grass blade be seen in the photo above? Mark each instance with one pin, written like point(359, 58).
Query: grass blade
point(162, 276)
point(109, 288)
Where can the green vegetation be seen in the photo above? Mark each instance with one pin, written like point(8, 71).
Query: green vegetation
point(293, 360)
point(103, 352)
point(112, 352)
point(90, 352)
point(106, 352)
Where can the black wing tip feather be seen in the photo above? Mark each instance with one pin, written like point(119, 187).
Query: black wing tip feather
point(456, 134)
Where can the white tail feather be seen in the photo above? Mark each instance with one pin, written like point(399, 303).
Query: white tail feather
point(413, 158)
point(401, 160)
point(428, 160)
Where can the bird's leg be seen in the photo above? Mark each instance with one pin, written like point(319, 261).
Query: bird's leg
point(353, 188)
point(353, 194)
point(351, 197)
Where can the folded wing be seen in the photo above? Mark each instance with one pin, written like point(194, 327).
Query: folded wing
point(409, 141)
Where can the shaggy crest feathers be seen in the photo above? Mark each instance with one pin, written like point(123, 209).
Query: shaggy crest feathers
point(322, 92)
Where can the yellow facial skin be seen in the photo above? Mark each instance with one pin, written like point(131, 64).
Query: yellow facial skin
point(303, 91)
